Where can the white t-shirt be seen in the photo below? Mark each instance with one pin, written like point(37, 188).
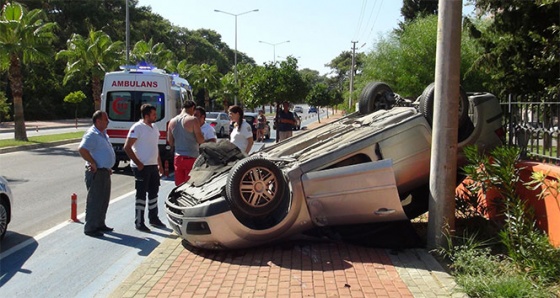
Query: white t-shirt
point(208, 131)
point(239, 136)
point(146, 145)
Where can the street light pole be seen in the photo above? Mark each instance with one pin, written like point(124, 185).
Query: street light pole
point(274, 48)
point(235, 54)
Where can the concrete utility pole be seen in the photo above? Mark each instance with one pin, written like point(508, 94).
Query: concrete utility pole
point(352, 73)
point(443, 163)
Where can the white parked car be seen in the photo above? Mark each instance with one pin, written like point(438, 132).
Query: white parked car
point(220, 122)
point(298, 109)
point(6, 198)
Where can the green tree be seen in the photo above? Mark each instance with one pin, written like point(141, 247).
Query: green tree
point(413, 9)
point(24, 38)
point(205, 78)
point(4, 107)
point(75, 98)
point(290, 85)
point(521, 45)
point(319, 96)
point(406, 61)
point(91, 58)
point(226, 94)
point(156, 54)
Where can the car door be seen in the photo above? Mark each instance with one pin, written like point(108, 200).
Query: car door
point(359, 193)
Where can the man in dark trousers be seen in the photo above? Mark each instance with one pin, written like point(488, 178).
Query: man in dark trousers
point(285, 122)
point(141, 146)
point(98, 153)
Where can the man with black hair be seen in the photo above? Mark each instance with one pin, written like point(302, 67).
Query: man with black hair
point(141, 146)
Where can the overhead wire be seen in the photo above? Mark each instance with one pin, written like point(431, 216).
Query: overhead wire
point(374, 20)
point(360, 19)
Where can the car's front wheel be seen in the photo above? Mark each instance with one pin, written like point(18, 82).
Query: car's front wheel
point(222, 132)
point(376, 96)
point(255, 187)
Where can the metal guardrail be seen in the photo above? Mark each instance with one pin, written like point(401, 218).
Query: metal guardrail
point(533, 123)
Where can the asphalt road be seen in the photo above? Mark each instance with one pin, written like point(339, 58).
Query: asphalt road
point(42, 181)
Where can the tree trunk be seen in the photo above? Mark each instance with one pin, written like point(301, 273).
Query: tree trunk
point(206, 100)
point(16, 84)
point(96, 89)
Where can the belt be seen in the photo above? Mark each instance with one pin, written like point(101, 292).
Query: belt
point(99, 169)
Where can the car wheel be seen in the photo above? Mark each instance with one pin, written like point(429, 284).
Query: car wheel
point(416, 202)
point(3, 219)
point(222, 132)
point(116, 165)
point(376, 96)
point(255, 187)
point(427, 104)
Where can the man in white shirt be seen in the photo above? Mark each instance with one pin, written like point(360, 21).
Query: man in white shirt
point(207, 130)
point(141, 146)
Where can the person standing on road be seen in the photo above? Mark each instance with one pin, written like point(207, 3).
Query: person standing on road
point(98, 153)
point(184, 134)
point(141, 146)
point(285, 122)
point(242, 134)
point(261, 122)
point(207, 130)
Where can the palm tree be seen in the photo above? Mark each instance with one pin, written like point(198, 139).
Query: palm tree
point(156, 54)
point(91, 57)
point(205, 77)
point(24, 38)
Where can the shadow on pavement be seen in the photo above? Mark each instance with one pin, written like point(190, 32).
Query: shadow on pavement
point(145, 245)
point(10, 266)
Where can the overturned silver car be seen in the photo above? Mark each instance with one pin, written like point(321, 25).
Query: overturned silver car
point(369, 166)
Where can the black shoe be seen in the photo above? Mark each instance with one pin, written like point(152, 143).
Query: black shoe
point(142, 227)
point(105, 229)
point(94, 233)
point(158, 224)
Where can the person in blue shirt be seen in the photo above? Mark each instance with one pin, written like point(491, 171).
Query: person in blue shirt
point(98, 153)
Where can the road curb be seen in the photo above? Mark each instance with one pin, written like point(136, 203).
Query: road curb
point(37, 146)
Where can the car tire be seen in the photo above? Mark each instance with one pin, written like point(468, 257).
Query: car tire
point(4, 215)
point(376, 96)
point(255, 187)
point(116, 165)
point(416, 202)
point(426, 106)
point(222, 133)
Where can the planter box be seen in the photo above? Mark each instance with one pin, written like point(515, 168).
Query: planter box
point(547, 210)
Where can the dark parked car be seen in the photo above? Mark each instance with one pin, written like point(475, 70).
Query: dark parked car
point(312, 110)
point(369, 166)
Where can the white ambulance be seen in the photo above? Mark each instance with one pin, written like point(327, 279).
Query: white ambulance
point(125, 91)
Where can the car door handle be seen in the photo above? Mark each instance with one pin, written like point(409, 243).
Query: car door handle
point(384, 211)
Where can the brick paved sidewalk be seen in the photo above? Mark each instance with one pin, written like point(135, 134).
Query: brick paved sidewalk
point(291, 269)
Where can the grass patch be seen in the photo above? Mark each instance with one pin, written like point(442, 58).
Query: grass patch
point(42, 139)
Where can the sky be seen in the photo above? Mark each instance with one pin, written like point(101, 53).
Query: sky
point(317, 30)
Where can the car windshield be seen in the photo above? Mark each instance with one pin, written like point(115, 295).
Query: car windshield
point(212, 115)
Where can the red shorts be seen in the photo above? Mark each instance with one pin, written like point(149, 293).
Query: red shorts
point(183, 166)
